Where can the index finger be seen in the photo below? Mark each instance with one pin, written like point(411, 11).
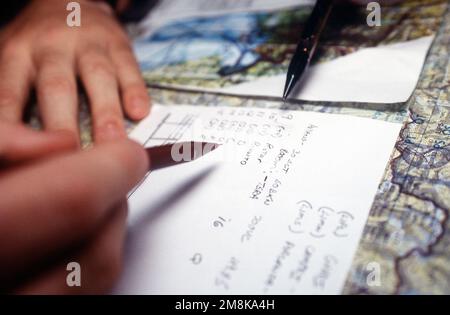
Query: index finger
point(20, 144)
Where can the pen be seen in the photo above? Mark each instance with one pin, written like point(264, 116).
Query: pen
point(307, 45)
point(177, 153)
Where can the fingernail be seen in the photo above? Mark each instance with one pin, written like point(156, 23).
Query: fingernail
point(111, 131)
point(140, 107)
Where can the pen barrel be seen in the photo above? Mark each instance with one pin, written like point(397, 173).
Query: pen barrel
point(177, 153)
point(311, 33)
point(160, 156)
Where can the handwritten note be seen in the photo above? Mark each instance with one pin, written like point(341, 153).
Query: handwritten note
point(279, 207)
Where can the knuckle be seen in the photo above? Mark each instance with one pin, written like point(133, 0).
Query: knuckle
point(123, 45)
point(101, 68)
point(97, 65)
point(120, 38)
point(58, 83)
point(110, 115)
point(48, 58)
point(9, 50)
point(53, 32)
point(8, 98)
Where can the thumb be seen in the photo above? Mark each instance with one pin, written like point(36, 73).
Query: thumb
point(49, 206)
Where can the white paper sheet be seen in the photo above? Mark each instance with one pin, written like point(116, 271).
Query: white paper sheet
point(278, 208)
point(384, 74)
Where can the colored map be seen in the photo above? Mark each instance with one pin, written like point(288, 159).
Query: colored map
point(408, 230)
point(234, 48)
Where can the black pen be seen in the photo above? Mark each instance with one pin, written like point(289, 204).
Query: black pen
point(162, 156)
point(307, 45)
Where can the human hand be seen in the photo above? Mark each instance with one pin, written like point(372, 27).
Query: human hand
point(68, 207)
point(39, 50)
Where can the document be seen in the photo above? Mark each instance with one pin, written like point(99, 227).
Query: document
point(245, 47)
point(278, 208)
point(383, 74)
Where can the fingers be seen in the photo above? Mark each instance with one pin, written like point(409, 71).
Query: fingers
point(23, 144)
point(102, 78)
point(100, 262)
point(135, 99)
point(99, 79)
point(62, 200)
point(57, 91)
point(15, 74)
point(107, 75)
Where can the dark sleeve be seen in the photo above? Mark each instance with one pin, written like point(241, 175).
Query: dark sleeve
point(137, 10)
point(9, 9)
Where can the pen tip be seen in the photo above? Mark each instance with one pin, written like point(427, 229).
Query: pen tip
point(288, 87)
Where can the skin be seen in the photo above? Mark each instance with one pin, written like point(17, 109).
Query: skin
point(59, 205)
point(47, 55)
